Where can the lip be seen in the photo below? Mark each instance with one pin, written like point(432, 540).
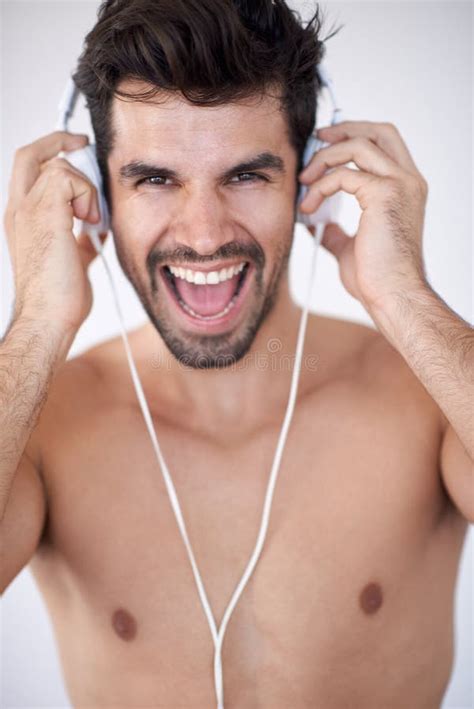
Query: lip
point(218, 325)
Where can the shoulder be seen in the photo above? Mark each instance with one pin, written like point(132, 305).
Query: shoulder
point(353, 333)
point(82, 398)
point(339, 344)
point(77, 390)
point(70, 394)
point(362, 354)
point(388, 376)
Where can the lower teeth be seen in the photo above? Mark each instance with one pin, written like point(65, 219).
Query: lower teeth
point(208, 317)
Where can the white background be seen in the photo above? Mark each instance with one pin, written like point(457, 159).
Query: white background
point(409, 63)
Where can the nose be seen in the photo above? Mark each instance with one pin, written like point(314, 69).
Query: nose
point(202, 224)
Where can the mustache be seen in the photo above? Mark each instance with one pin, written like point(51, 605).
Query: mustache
point(246, 252)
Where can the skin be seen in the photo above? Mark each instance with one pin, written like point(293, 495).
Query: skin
point(207, 217)
point(341, 609)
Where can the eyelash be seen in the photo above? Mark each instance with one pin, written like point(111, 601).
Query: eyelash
point(145, 180)
point(254, 174)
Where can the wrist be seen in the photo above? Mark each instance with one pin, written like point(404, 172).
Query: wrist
point(392, 312)
point(56, 335)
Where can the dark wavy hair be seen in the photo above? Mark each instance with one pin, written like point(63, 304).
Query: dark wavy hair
point(212, 51)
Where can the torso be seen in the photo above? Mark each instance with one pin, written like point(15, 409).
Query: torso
point(351, 602)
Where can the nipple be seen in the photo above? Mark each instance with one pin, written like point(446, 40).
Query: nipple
point(371, 598)
point(124, 624)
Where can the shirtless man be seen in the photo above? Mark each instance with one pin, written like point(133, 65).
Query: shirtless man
point(351, 602)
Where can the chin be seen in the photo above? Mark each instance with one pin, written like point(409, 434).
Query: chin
point(201, 350)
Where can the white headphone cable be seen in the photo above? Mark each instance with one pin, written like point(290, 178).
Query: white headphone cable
point(273, 475)
point(219, 636)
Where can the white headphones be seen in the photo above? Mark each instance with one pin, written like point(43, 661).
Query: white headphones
point(85, 160)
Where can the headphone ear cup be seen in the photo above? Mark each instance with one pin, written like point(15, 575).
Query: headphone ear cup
point(330, 209)
point(312, 147)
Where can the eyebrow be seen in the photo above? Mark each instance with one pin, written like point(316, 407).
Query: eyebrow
point(139, 170)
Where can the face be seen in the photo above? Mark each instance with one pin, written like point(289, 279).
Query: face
point(203, 203)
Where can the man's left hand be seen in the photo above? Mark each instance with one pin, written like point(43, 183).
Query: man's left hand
point(386, 256)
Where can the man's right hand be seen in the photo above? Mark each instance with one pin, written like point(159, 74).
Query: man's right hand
point(49, 264)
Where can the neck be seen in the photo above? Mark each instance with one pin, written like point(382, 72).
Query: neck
point(253, 389)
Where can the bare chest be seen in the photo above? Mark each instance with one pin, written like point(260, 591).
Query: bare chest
point(343, 584)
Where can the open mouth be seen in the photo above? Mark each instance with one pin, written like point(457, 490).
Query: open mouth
point(207, 296)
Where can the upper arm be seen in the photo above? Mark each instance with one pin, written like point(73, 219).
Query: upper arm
point(457, 470)
point(455, 464)
point(24, 520)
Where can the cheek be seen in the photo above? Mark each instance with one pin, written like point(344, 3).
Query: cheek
point(132, 250)
point(136, 230)
point(268, 214)
point(271, 208)
point(276, 249)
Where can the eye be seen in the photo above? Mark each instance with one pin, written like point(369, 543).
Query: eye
point(148, 180)
point(253, 175)
point(154, 179)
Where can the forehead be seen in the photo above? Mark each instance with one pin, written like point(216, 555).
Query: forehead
point(169, 122)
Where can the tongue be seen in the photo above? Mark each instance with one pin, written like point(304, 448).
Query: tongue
point(207, 300)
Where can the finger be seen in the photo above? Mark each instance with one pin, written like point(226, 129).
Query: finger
point(361, 151)
point(385, 135)
point(28, 159)
point(355, 182)
point(86, 248)
point(335, 240)
point(84, 207)
point(56, 188)
point(85, 204)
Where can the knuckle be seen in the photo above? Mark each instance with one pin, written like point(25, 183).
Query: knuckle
point(390, 127)
point(417, 185)
point(56, 164)
point(424, 185)
point(62, 161)
point(55, 172)
point(21, 152)
point(56, 169)
point(60, 167)
point(362, 143)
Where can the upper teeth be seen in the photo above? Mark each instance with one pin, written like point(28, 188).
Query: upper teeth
point(200, 278)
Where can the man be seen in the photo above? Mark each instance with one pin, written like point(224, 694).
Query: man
point(351, 601)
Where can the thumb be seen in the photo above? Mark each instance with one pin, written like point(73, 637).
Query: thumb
point(335, 239)
point(86, 248)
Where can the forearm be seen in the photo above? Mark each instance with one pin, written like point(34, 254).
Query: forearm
point(30, 353)
point(438, 345)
